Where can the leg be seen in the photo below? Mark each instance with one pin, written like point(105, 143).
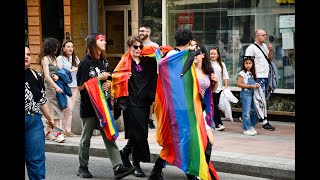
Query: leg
point(88, 125)
point(140, 153)
point(156, 173)
point(246, 98)
point(151, 125)
point(112, 148)
point(217, 117)
point(35, 147)
point(125, 152)
point(66, 123)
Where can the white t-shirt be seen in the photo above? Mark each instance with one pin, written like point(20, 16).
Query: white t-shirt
point(262, 65)
point(67, 64)
point(217, 70)
point(245, 75)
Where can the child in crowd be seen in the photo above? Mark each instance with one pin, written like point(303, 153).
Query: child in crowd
point(247, 83)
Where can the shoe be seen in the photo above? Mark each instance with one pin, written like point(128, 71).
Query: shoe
point(248, 132)
point(220, 127)
point(253, 130)
point(156, 174)
point(267, 126)
point(151, 125)
point(123, 171)
point(138, 172)
point(125, 159)
point(60, 138)
point(84, 172)
point(69, 134)
point(47, 137)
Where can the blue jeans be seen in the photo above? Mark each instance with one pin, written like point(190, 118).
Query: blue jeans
point(34, 147)
point(263, 84)
point(249, 115)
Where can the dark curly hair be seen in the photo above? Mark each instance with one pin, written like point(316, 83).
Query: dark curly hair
point(49, 47)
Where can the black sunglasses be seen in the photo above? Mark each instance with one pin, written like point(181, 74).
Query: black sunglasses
point(248, 57)
point(136, 47)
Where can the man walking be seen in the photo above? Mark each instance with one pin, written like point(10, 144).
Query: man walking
point(144, 35)
point(261, 64)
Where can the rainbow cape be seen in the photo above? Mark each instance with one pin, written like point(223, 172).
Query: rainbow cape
point(99, 102)
point(121, 73)
point(181, 129)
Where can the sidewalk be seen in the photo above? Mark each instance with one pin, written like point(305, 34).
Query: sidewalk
point(270, 154)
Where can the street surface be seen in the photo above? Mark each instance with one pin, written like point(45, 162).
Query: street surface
point(65, 166)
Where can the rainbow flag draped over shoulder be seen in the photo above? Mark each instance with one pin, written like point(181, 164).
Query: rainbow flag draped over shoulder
point(121, 73)
point(181, 129)
point(99, 102)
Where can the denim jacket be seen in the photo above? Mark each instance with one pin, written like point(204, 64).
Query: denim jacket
point(64, 79)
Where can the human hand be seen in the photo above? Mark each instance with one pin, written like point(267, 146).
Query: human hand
point(104, 75)
point(270, 47)
point(130, 74)
point(55, 77)
point(257, 85)
point(106, 86)
point(59, 90)
point(50, 123)
point(214, 77)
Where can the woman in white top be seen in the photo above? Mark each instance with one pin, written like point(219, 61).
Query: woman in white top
point(68, 60)
point(221, 71)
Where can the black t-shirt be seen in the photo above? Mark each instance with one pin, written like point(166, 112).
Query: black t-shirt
point(88, 69)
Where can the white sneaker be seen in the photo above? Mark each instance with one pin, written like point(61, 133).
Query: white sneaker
point(253, 130)
point(248, 132)
point(220, 127)
point(60, 138)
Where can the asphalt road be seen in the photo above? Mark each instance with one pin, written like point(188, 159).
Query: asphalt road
point(65, 166)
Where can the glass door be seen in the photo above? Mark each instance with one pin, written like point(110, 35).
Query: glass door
point(117, 29)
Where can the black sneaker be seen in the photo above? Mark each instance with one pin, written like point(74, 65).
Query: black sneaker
point(123, 171)
point(84, 172)
point(267, 126)
point(151, 125)
point(156, 174)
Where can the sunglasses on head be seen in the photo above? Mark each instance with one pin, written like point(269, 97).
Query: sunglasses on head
point(248, 57)
point(136, 47)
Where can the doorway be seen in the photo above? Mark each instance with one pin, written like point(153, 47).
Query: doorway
point(117, 29)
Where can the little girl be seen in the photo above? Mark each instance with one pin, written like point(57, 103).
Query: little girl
point(220, 70)
point(247, 83)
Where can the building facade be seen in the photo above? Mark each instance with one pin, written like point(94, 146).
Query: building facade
point(226, 24)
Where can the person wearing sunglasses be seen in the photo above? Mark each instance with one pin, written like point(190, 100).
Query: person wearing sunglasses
point(140, 91)
point(261, 64)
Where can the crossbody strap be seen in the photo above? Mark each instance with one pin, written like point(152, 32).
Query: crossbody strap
point(263, 53)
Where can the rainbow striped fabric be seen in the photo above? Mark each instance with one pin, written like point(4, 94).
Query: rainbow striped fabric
point(121, 73)
point(99, 102)
point(181, 129)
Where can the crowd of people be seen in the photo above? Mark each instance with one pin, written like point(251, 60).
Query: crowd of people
point(135, 81)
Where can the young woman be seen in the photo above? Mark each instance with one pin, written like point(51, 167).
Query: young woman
point(221, 71)
point(94, 65)
point(47, 58)
point(247, 82)
point(68, 60)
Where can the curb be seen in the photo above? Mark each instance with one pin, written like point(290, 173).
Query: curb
point(221, 165)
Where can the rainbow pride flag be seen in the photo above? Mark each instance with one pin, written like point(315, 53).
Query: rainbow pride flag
point(181, 129)
point(121, 73)
point(99, 102)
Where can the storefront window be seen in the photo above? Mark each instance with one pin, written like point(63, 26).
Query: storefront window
point(230, 25)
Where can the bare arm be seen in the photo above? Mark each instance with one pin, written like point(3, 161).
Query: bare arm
point(242, 85)
point(45, 66)
point(46, 112)
point(270, 55)
point(226, 83)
